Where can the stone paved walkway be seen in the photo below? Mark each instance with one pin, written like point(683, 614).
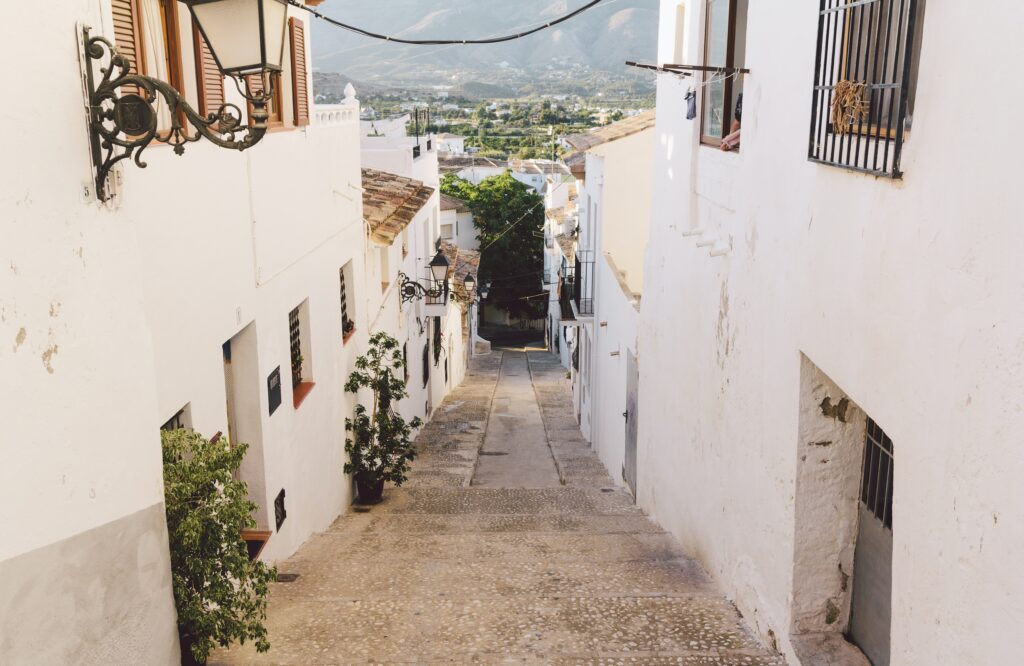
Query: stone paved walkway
point(446, 571)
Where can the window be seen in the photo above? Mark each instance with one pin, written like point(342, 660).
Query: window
point(299, 348)
point(181, 419)
point(300, 78)
point(447, 232)
point(864, 83)
point(385, 268)
point(405, 362)
point(148, 33)
point(725, 30)
point(426, 364)
point(295, 341)
point(348, 326)
point(876, 477)
point(209, 80)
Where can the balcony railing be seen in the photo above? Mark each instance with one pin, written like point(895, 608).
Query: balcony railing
point(583, 283)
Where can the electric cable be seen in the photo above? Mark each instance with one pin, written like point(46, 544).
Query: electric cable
point(438, 42)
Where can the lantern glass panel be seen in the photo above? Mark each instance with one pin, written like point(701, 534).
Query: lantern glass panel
point(246, 36)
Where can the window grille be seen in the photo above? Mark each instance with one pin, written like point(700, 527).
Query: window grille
point(295, 337)
point(862, 84)
point(876, 478)
point(346, 323)
point(426, 364)
point(405, 362)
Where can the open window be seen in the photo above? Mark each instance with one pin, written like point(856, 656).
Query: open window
point(725, 36)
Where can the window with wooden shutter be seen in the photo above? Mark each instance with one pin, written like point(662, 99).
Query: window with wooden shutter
point(209, 80)
point(300, 77)
point(128, 33)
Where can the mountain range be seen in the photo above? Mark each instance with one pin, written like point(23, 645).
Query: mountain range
point(596, 42)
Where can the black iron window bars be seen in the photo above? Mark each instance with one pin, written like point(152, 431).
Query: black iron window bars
point(295, 344)
point(876, 478)
point(862, 84)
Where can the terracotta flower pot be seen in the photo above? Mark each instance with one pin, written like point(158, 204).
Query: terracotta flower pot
point(371, 489)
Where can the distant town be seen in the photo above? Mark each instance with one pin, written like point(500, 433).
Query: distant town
point(492, 125)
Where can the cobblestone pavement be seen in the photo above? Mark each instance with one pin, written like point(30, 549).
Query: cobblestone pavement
point(447, 572)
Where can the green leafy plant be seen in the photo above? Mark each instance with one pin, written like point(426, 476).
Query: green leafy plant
point(380, 448)
point(220, 595)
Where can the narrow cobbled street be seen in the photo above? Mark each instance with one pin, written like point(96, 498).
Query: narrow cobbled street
point(508, 544)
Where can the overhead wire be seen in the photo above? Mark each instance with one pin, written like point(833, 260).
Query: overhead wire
point(441, 42)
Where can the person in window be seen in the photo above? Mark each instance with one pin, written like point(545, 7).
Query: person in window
point(732, 140)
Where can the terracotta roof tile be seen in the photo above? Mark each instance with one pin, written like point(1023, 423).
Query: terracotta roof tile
point(448, 202)
point(390, 202)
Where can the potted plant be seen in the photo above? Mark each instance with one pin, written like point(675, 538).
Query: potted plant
point(380, 447)
point(220, 595)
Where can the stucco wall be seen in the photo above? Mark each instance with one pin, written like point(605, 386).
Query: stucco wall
point(905, 293)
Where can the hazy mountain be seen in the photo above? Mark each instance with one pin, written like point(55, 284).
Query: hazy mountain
point(599, 40)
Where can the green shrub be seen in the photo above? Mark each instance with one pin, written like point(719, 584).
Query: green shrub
point(380, 447)
point(220, 595)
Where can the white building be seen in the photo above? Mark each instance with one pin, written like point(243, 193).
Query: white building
point(802, 317)
point(612, 170)
point(191, 298)
point(402, 204)
point(452, 144)
point(457, 223)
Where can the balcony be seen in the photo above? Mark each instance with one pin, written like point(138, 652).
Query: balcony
point(583, 284)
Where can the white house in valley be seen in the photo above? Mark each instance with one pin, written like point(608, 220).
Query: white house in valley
point(451, 143)
point(831, 331)
point(222, 291)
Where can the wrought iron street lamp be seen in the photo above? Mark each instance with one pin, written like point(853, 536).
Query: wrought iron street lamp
point(470, 284)
point(413, 290)
point(246, 38)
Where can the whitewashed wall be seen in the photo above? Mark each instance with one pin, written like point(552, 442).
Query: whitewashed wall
point(906, 294)
point(116, 316)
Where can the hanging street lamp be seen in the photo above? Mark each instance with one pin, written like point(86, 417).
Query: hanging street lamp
point(246, 38)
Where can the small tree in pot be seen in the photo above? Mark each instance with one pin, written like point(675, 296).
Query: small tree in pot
point(380, 448)
point(220, 595)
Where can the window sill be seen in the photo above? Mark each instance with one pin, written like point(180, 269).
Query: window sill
point(347, 336)
point(300, 392)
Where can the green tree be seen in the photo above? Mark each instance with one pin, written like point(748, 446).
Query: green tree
point(220, 595)
point(509, 218)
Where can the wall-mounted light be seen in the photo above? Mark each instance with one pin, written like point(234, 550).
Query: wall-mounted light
point(246, 38)
point(412, 290)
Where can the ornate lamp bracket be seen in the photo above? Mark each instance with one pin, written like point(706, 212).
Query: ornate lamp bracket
point(411, 290)
point(123, 114)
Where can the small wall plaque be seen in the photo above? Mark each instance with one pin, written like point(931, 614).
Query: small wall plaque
point(274, 389)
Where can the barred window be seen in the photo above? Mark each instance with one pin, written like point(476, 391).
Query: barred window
point(876, 478)
point(347, 325)
point(295, 339)
point(426, 364)
point(864, 83)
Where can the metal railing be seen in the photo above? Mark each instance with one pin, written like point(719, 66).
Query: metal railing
point(583, 283)
point(862, 84)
